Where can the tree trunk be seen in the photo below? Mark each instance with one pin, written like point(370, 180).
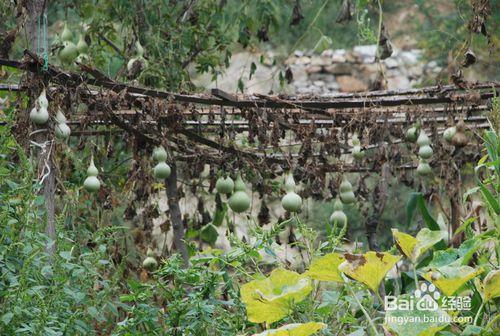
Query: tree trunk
point(35, 10)
point(175, 215)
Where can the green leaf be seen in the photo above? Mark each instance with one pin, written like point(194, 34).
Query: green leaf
point(209, 234)
point(490, 199)
point(326, 268)
point(444, 258)
point(416, 322)
point(369, 268)
point(294, 329)
point(491, 285)
point(7, 317)
point(270, 299)
point(253, 67)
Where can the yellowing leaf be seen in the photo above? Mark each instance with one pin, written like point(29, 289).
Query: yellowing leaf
point(491, 285)
point(271, 299)
point(369, 268)
point(326, 268)
point(449, 278)
point(294, 329)
point(413, 248)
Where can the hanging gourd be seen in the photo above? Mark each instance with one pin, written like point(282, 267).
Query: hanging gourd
point(137, 63)
point(357, 153)
point(239, 200)
point(162, 170)
point(423, 167)
point(39, 113)
point(91, 183)
point(449, 133)
point(412, 133)
point(81, 45)
point(62, 129)
point(425, 151)
point(459, 139)
point(150, 262)
point(291, 202)
point(346, 193)
point(338, 216)
point(224, 185)
point(66, 34)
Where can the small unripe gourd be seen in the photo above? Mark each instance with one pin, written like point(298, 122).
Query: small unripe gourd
point(423, 167)
point(412, 134)
point(423, 139)
point(68, 53)
point(39, 116)
point(162, 171)
point(63, 131)
point(42, 100)
point(224, 185)
point(66, 34)
point(159, 154)
point(239, 200)
point(449, 133)
point(346, 194)
point(291, 202)
point(425, 152)
point(82, 46)
point(150, 263)
point(338, 216)
point(91, 183)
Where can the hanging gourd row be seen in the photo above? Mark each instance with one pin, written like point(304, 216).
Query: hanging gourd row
point(454, 135)
point(72, 52)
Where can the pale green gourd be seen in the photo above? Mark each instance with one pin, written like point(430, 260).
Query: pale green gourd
point(449, 133)
point(239, 200)
point(338, 216)
point(423, 167)
point(291, 202)
point(357, 153)
point(425, 152)
point(159, 154)
point(81, 45)
point(348, 197)
point(224, 185)
point(345, 186)
point(423, 139)
point(162, 171)
point(66, 34)
point(60, 118)
point(62, 131)
point(39, 116)
point(150, 263)
point(412, 134)
point(68, 53)
point(42, 100)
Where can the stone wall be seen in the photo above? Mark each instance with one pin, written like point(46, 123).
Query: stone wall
point(356, 70)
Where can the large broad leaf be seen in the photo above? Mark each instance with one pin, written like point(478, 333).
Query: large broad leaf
point(413, 248)
point(209, 234)
point(491, 285)
point(294, 329)
point(449, 278)
point(369, 268)
point(271, 299)
point(417, 201)
point(326, 268)
point(415, 322)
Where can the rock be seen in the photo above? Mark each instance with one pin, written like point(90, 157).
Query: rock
point(339, 69)
point(366, 52)
point(316, 60)
point(328, 53)
point(336, 58)
point(298, 53)
point(410, 57)
point(319, 83)
point(351, 84)
point(399, 82)
point(303, 60)
point(313, 69)
point(391, 62)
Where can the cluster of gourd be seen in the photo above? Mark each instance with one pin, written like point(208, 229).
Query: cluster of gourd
point(139, 57)
point(162, 170)
point(357, 153)
point(454, 135)
point(71, 52)
point(238, 200)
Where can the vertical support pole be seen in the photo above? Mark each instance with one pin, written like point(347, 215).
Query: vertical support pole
point(175, 215)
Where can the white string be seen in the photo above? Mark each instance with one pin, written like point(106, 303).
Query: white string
point(43, 146)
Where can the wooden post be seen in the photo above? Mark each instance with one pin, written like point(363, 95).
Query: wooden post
point(175, 215)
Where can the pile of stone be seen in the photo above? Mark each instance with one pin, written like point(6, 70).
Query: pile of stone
point(356, 70)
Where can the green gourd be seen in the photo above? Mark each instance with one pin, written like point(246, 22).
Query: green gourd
point(357, 153)
point(42, 100)
point(81, 45)
point(91, 183)
point(68, 53)
point(66, 34)
point(60, 118)
point(224, 185)
point(291, 202)
point(345, 186)
point(239, 200)
point(348, 197)
point(63, 131)
point(425, 152)
point(460, 138)
point(150, 263)
point(162, 171)
point(39, 116)
point(423, 139)
point(423, 167)
point(338, 216)
point(159, 154)
point(449, 133)
point(412, 134)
